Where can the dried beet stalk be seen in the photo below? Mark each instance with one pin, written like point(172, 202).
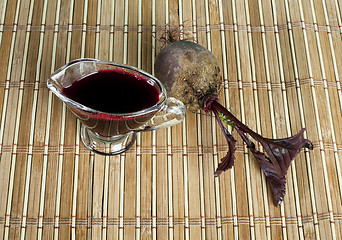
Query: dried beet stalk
point(279, 152)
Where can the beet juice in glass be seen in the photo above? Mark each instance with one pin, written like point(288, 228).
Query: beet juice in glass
point(113, 102)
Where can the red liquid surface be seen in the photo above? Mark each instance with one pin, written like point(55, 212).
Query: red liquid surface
point(113, 91)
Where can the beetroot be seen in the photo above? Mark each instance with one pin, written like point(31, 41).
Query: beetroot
point(191, 73)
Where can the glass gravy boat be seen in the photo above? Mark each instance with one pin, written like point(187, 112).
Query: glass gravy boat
point(113, 133)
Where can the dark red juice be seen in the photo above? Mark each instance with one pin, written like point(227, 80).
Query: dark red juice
point(113, 91)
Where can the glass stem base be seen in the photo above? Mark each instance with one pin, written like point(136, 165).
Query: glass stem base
point(109, 145)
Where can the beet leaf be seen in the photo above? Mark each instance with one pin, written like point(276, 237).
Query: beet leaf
point(227, 161)
point(278, 155)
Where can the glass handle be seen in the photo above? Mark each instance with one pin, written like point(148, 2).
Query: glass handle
point(172, 113)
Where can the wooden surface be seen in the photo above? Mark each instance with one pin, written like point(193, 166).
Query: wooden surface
point(281, 68)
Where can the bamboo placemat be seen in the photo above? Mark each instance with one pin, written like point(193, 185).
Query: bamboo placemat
point(281, 71)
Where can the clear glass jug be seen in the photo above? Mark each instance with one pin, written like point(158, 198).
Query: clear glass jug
point(113, 133)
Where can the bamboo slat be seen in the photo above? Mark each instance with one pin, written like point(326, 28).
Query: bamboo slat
point(280, 73)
